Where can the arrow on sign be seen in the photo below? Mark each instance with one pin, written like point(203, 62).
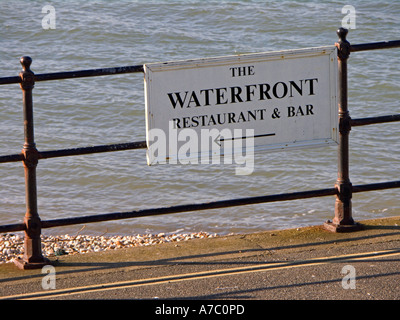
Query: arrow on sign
point(218, 139)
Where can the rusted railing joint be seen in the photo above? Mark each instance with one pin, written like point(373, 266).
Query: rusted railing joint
point(30, 157)
point(345, 122)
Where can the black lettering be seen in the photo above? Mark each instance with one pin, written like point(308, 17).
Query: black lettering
point(309, 108)
point(241, 71)
point(193, 99)
point(300, 110)
point(176, 123)
point(219, 118)
point(235, 94)
point(264, 88)
point(231, 117)
point(178, 99)
point(291, 112)
point(275, 90)
point(249, 92)
point(262, 113)
point(195, 121)
point(311, 85)
point(241, 118)
point(246, 93)
point(220, 95)
point(251, 114)
point(212, 120)
point(207, 96)
point(251, 70)
point(298, 89)
point(186, 122)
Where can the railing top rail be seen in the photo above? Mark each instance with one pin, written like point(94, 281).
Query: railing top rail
point(139, 68)
point(76, 74)
point(88, 73)
point(375, 45)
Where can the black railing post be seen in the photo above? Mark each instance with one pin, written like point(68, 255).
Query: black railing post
point(343, 220)
point(33, 257)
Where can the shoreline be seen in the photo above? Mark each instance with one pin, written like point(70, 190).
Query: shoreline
point(11, 244)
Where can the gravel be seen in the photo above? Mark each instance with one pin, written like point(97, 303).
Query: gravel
point(11, 245)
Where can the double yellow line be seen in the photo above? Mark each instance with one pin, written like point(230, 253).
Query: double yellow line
point(201, 275)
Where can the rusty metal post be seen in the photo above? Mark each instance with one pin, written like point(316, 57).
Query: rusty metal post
point(33, 257)
point(343, 220)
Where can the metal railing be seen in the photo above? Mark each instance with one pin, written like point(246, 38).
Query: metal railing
point(32, 224)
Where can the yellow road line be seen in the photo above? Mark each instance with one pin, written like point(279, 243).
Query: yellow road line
point(201, 275)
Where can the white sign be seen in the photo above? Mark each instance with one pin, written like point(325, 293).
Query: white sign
point(279, 99)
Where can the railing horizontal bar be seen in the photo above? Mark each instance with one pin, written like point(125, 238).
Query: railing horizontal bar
point(93, 149)
point(376, 186)
point(11, 158)
point(375, 45)
point(214, 205)
point(88, 73)
point(12, 227)
point(201, 206)
point(190, 207)
point(77, 151)
point(10, 80)
point(77, 74)
point(374, 120)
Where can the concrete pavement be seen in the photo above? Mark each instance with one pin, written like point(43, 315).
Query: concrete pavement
point(295, 264)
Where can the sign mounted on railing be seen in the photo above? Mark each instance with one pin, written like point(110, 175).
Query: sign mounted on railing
point(277, 100)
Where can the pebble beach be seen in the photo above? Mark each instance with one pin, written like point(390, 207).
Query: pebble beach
point(11, 245)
